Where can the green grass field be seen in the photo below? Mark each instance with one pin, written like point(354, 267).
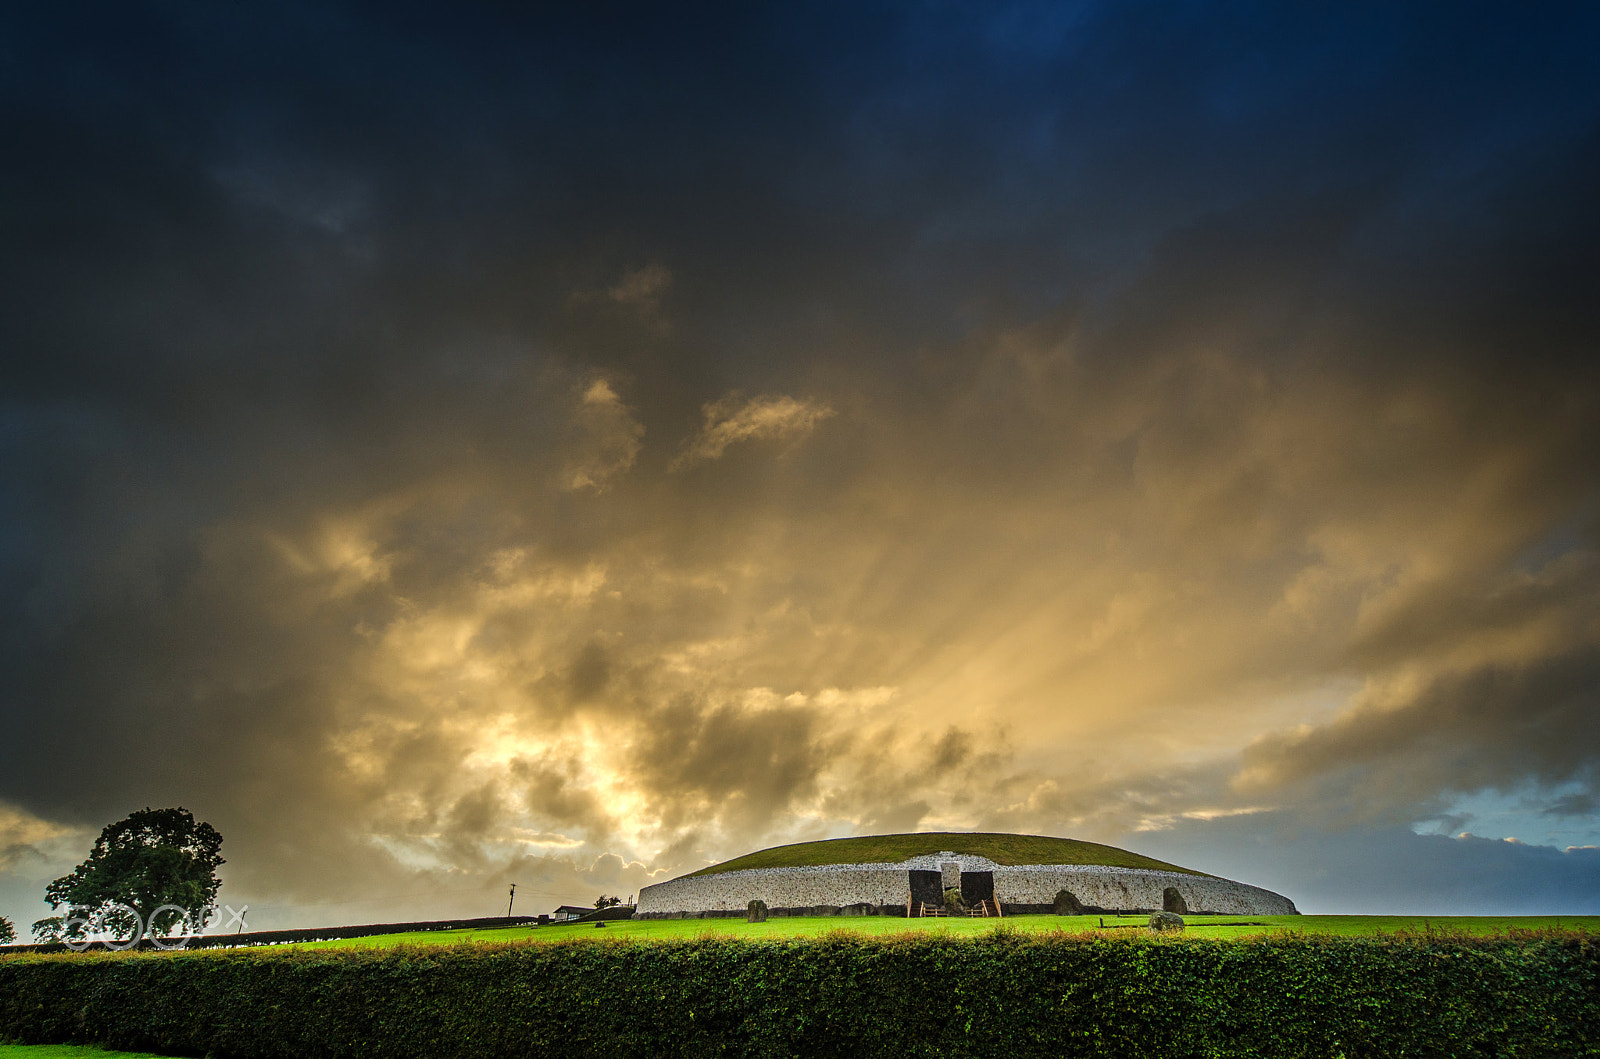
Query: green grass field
point(65, 1051)
point(1198, 926)
point(892, 849)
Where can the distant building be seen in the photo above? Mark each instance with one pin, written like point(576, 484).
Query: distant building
point(569, 912)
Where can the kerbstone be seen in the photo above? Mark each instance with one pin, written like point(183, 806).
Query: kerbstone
point(1162, 922)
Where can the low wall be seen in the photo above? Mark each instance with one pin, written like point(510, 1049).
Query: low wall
point(781, 888)
point(1132, 890)
point(868, 889)
point(298, 934)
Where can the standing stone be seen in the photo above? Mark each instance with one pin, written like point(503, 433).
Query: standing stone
point(1172, 901)
point(755, 912)
point(1067, 905)
point(1165, 921)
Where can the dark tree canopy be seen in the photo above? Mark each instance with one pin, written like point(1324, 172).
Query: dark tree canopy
point(154, 858)
point(7, 931)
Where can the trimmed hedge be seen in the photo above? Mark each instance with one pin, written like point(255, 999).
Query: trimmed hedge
point(1002, 994)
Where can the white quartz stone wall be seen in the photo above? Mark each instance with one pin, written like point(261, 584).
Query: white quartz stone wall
point(845, 884)
point(1129, 888)
point(886, 884)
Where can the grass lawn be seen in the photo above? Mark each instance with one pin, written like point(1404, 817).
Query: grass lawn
point(798, 926)
point(66, 1051)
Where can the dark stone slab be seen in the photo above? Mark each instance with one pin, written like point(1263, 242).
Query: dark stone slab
point(977, 887)
point(927, 887)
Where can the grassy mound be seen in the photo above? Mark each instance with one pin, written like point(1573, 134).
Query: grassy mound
point(891, 849)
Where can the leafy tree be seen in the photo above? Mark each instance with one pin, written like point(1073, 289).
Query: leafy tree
point(155, 857)
point(48, 930)
point(7, 931)
point(606, 902)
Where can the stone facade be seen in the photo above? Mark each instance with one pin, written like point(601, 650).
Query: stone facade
point(885, 888)
point(783, 889)
point(1133, 890)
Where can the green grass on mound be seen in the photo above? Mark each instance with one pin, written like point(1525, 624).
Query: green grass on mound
point(892, 849)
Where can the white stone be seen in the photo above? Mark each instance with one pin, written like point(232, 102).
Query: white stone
point(837, 885)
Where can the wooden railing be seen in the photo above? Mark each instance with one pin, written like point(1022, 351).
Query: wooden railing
point(990, 907)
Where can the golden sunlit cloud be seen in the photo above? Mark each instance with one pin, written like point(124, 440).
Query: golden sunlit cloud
point(570, 470)
point(608, 439)
point(730, 421)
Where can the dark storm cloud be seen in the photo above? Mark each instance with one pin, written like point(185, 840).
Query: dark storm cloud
point(1496, 727)
point(1387, 871)
point(702, 758)
point(1581, 805)
point(480, 441)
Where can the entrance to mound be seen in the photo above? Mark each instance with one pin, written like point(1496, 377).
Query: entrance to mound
point(977, 887)
point(926, 889)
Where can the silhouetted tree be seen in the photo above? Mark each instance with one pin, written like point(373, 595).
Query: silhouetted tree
point(152, 859)
point(8, 933)
point(48, 930)
point(606, 902)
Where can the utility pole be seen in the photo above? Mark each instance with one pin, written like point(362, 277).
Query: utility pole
point(510, 902)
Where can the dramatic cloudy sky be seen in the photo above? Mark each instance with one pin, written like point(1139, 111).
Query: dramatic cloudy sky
point(449, 448)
